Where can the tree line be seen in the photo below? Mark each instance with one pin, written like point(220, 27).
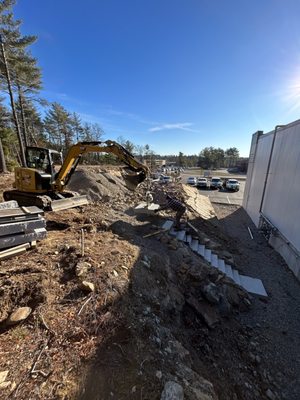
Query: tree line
point(208, 158)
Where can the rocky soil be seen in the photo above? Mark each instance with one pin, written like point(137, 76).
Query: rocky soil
point(142, 317)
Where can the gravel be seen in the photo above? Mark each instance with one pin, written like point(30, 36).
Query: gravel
point(275, 322)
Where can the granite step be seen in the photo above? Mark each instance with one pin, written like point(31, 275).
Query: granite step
point(236, 276)
point(221, 265)
point(228, 271)
point(214, 260)
point(194, 244)
point(253, 285)
point(181, 235)
point(201, 250)
point(207, 255)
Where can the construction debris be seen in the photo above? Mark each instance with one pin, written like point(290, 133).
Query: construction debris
point(15, 251)
point(146, 208)
point(20, 228)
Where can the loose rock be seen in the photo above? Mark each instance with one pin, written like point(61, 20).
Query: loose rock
point(212, 293)
point(206, 311)
point(172, 391)
point(87, 286)
point(158, 374)
point(3, 375)
point(19, 315)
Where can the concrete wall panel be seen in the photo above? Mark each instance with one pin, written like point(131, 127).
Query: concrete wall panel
point(255, 187)
point(282, 198)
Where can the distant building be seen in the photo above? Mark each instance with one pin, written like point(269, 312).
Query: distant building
point(151, 162)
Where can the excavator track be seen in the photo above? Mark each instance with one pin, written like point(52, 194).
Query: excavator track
point(50, 202)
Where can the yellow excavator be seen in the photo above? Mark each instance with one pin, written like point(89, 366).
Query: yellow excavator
point(39, 184)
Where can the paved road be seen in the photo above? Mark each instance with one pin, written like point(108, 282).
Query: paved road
point(222, 196)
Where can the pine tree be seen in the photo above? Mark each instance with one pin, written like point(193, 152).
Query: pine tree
point(8, 136)
point(34, 124)
point(27, 80)
point(58, 126)
point(127, 144)
point(77, 126)
point(231, 154)
point(12, 52)
point(180, 159)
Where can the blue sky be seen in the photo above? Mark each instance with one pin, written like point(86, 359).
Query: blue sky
point(178, 75)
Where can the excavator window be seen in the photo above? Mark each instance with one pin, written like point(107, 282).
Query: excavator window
point(56, 159)
point(38, 158)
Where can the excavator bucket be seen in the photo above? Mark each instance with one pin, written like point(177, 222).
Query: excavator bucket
point(132, 180)
point(69, 202)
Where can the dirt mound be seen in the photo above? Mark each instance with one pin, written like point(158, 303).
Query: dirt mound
point(97, 184)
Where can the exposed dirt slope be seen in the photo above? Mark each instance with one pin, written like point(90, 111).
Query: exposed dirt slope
point(157, 314)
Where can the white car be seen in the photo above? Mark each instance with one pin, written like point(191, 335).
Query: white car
point(192, 181)
point(203, 183)
point(233, 184)
point(216, 183)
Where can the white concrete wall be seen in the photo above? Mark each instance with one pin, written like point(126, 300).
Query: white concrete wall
point(254, 185)
point(281, 204)
point(282, 199)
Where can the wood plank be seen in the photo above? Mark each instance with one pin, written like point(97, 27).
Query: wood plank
point(154, 233)
point(21, 226)
point(14, 251)
point(26, 210)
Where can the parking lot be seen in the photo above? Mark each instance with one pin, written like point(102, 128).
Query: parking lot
point(220, 196)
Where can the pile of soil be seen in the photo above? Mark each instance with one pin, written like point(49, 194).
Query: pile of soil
point(97, 184)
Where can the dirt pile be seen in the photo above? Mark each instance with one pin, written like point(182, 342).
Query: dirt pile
point(98, 184)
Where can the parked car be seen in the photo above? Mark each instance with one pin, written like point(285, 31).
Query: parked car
point(165, 179)
point(233, 184)
point(216, 183)
point(233, 169)
point(203, 183)
point(192, 181)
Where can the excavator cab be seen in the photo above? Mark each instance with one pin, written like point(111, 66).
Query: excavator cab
point(43, 159)
point(39, 173)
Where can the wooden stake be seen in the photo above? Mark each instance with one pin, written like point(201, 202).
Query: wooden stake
point(155, 233)
point(250, 233)
point(82, 242)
